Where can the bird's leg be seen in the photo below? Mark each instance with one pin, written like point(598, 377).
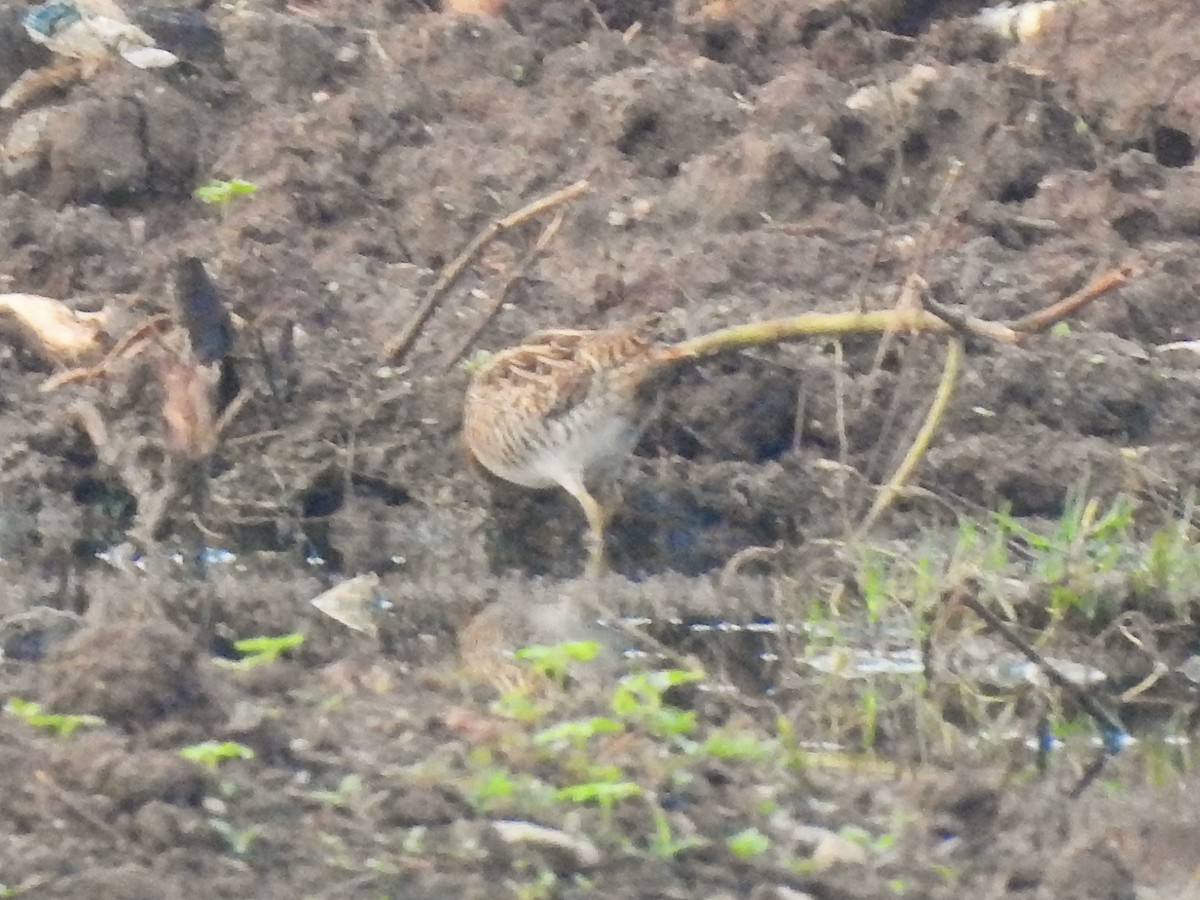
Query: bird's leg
point(597, 519)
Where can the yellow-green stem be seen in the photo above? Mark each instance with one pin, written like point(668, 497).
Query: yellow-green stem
point(941, 400)
point(808, 325)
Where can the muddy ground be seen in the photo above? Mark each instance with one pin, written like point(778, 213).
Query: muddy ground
point(745, 160)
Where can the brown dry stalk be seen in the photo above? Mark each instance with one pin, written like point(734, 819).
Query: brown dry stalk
point(395, 349)
point(1045, 318)
point(515, 275)
point(187, 410)
point(131, 343)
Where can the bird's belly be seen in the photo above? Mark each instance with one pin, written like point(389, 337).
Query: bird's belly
point(579, 445)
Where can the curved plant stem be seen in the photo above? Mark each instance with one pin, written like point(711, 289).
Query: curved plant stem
point(954, 355)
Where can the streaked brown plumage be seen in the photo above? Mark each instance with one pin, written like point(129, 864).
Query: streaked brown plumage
point(566, 408)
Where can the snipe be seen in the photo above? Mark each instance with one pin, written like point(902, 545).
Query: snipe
point(566, 408)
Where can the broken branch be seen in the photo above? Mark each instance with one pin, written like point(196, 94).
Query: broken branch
point(805, 325)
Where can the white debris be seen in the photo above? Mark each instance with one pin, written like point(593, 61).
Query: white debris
point(903, 92)
point(1022, 22)
point(572, 853)
point(354, 603)
point(27, 144)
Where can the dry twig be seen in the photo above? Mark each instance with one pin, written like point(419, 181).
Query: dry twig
point(1068, 306)
point(806, 325)
point(920, 314)
point(397, 347)
point(515, 275)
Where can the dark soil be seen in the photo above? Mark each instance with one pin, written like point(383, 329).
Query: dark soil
point(731, 180)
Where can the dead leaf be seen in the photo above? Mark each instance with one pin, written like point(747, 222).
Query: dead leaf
point(53, 329)
point(354, 603)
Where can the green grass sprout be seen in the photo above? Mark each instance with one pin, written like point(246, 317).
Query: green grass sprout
point(222, 194)
point(62, 724)
point(259, 651)
point(211, 754)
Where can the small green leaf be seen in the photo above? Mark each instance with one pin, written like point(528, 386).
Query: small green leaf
point(555, 661)
point(603, 792)
point(240, 188)
point(577, 732)
point(476, 361)
point(748, 843)
point(212, 753)
point(261, 650)
point(731, 746)
point(222, 193)
point(62, 724)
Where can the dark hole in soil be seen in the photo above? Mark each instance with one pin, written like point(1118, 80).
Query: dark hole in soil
point(720, 39)
point(112, 499)
point(221, 647)
point(871, 186)
point(1172, 148)
point(637, 132)
point(323, 499)
point(1136, 225)
point(1021, 188)
point(914, 17)
point(372, 486)
point(916, 147)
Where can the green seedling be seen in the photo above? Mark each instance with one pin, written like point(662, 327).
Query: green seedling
point(555, 662)
point(211, 754)
point(639, 698)
point(222, 194)
point(670, 722)
point(869, 707)
point(735, 746)
point(748, 843)
point(414, 842)
point(868, 841)
point(519, 706)
point(238, 840)
point(1084, 534)
point(795, 757)
point(576, 733)
point(496, 788)
point(1171, 560)
point(493, 789)
point(347, 790)
point(337, 854)
point(604, 794)
point(872, 582)
point(62, 724)
point(946, 873)
point(476, 361)
point(261, 650)
point(543, 887)
point(664, 844)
